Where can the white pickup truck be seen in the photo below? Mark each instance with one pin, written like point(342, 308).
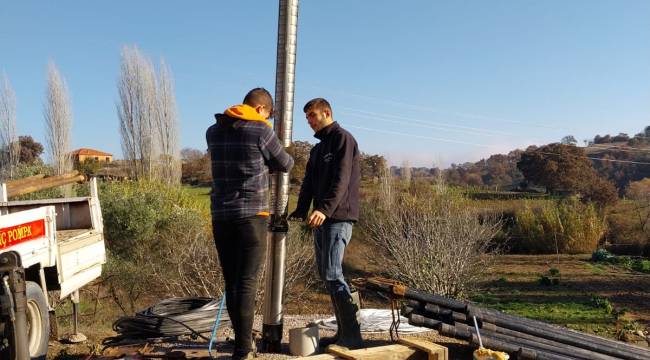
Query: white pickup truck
point(60, 245)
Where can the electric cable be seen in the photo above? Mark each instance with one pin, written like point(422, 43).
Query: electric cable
point(174, 317)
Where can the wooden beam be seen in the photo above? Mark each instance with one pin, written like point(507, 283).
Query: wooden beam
point(37, 179)
point(18, 182)
point(45, 183)
point(411, 349)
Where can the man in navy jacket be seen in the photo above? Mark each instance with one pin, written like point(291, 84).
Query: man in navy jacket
point(331, 187)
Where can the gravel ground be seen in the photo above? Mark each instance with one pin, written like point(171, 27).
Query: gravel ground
point(457, 349)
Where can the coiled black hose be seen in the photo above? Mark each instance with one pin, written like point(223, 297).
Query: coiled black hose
point(169, 318)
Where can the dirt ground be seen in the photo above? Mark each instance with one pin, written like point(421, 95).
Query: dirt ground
point(508, 277)
point(198, 349)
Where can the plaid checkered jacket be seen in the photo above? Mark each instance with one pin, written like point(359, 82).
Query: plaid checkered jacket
point(242, 153)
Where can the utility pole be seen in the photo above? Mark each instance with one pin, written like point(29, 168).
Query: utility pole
point(283, 124)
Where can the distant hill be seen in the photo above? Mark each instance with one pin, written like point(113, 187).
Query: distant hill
point(619, 158)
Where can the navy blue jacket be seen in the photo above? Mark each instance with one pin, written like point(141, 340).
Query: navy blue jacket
point(332, 176)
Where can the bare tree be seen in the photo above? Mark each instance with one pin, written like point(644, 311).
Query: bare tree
point(434, 243)
point(9, 144)
point(406, 172)
point(58, 120)
point(167, 127)
point(136, 111)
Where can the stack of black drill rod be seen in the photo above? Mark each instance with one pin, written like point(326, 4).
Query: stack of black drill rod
point(522, 338)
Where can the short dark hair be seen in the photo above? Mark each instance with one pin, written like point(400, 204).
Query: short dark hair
point(317, 104)
point(259, 96)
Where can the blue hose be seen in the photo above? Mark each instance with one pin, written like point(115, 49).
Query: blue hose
point(216, 325)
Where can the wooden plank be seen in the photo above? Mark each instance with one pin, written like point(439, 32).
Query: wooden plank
point(415, 349)
point(387, 352)
point(435, 351)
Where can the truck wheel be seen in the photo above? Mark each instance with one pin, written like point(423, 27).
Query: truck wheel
point(38, 321)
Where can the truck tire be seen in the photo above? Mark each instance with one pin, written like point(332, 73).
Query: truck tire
point(38, 321)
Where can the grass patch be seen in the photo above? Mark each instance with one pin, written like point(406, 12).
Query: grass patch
point(199, 193)
point(592, 315)
point(597, 269)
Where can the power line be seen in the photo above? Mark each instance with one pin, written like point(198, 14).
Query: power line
point(597, 159)
point(390, 132)
point(412, 121)
point(362, 117)
point(619, 148)
point(488, 146)
point(452, 113)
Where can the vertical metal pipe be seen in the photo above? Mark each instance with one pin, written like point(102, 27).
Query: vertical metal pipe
point(276, 249)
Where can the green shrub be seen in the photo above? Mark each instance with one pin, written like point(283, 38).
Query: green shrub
point(641, 265)
point(570, 227)
point(551, 277)
point(603, 303)
point(159, 241)
point(160, 244)
point(602, 255)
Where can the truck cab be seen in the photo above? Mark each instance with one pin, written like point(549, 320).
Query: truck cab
point(58, 244)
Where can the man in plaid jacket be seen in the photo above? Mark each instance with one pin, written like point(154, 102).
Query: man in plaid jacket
point(243, 149)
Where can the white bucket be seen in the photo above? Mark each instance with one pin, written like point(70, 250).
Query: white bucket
point(303, 341)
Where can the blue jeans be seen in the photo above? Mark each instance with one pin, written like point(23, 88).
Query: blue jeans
point(330, 240)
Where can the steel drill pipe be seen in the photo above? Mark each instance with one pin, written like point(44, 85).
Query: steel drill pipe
point(283, 125)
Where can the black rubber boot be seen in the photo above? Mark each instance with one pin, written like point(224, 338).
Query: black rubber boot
point(349, 328)
point(327, 341)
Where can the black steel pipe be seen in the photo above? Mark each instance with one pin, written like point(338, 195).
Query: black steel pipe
point(521, 352)
point(527, 326)
point(550, 346)
point(487, 313)
point(464, 331)
point(419, 320)
point(513, 347)
point(537, 330)
point(433, 312)
point(555, 333)
point(420, 296)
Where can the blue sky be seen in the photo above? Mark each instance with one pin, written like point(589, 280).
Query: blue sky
point(432, 82)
